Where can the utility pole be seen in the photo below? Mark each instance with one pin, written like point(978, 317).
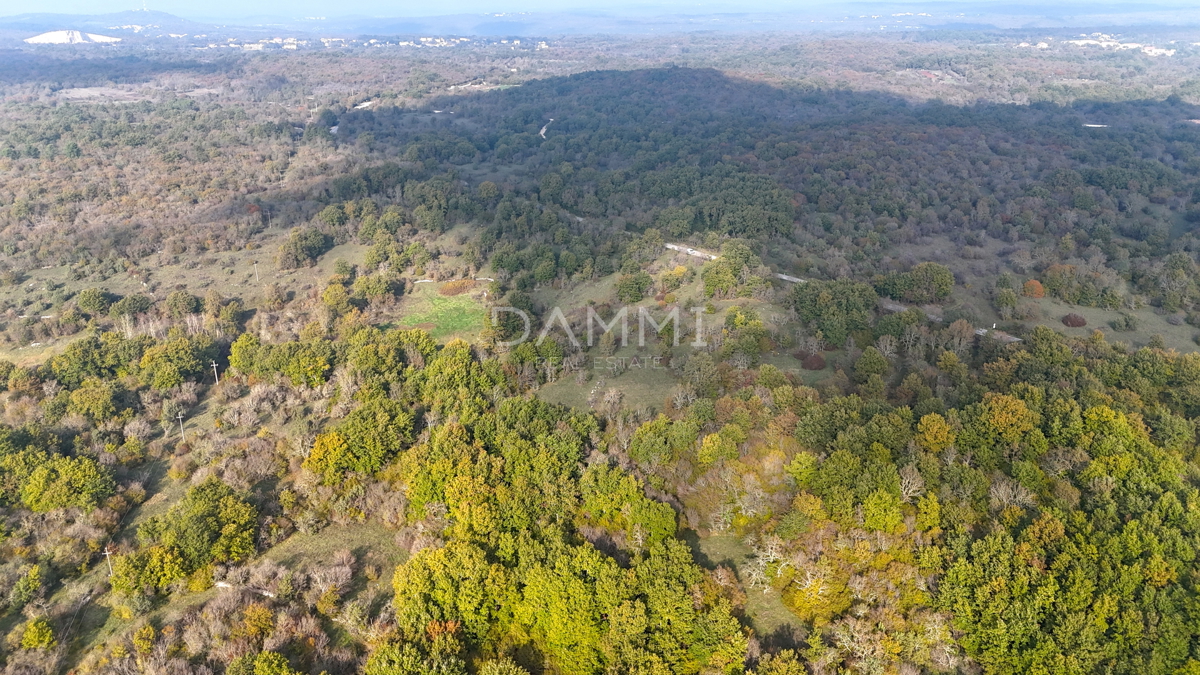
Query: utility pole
point(215, 377)
point(182, 437)
point(108, 557)
point(257, 279)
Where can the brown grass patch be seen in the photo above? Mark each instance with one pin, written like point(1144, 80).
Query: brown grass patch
point(456, 287)
point(814, 362)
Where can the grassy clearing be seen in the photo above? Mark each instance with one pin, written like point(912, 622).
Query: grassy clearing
point(38, 354)
point(446, 318)
point(790, 364)
point(643, 387)
point(92, 623)
point(371, 542)
point(765, 610)
point(163, 494)
point(649, 387)
point(577, 295)
point(96, 624)
point(1149, 324)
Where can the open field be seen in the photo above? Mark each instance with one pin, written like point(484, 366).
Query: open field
point(1150, 323)
point(644, 386)
point(765, 610)
point(445, 317)
point(371, 543)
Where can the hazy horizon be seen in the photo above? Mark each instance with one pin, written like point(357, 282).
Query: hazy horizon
point(229, 10)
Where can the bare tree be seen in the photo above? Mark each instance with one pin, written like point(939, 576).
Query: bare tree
point(756, 575)
point(612, 402)
point(910, 338)
point(722, 518)
point(683, 396)
point(1006, 492)
point(886, 344)
point(911, 483)
point(740, 361)
point(1061, 460)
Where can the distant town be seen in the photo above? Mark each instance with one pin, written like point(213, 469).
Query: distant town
point(202, 41)
point(234, 38)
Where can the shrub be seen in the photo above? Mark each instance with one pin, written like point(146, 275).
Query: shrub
point(377, 286)
point(333, 216)
point(130, 305)
point(181, 303)
point(37, 635)
point(303, 247)
point(1074, 320)
point(363, 443)
point(632, 287)
point(26, 588)
point(1124, 323)
point(212, 523)
point(63, 482)
point(94, 301)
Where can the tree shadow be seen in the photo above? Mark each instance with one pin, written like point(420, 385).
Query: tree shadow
point(692, 539)
point(660, 106)
point(789, 635)
point(17, 67)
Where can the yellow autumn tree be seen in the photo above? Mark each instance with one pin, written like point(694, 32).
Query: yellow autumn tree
point(934, 433)
point(1008, 417)
point(328, 455)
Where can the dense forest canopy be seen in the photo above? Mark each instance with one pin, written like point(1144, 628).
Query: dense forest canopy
point(932, 405)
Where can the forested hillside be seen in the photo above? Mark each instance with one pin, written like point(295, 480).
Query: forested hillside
point(266, 407)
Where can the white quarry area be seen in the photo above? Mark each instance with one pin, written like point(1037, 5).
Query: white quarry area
point(69, 37)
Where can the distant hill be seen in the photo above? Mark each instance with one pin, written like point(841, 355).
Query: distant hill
point(127, 21)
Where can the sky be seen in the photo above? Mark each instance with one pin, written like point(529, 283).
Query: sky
point(295, 9)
